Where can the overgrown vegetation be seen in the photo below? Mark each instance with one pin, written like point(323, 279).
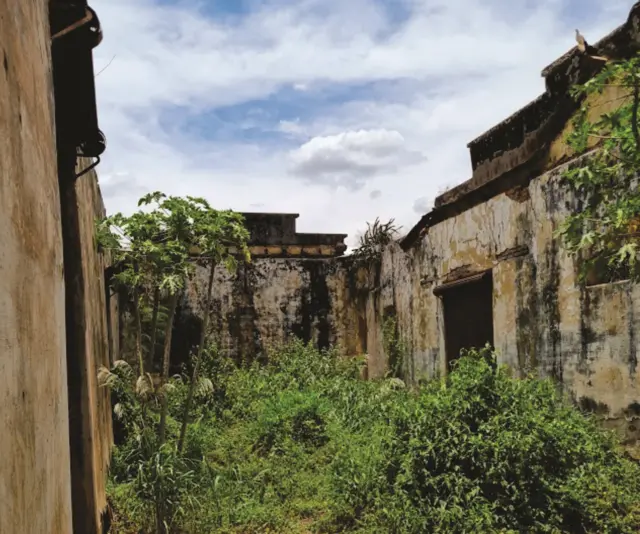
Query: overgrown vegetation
point(605, 231)
point(394, 347)
point(155, 252)
point(300, 444)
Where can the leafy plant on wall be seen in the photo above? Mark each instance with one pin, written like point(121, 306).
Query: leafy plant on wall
point(605, 232)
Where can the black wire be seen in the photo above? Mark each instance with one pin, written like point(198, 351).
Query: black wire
point(89, 168)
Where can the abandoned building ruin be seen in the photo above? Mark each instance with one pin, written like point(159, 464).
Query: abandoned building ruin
point(482, 266)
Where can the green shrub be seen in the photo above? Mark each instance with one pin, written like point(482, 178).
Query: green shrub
point(300, 444)
point(294, 416)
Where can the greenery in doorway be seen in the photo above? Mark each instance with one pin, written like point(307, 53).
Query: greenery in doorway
point(395, 347)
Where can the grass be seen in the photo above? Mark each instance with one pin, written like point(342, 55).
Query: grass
point(301, 445)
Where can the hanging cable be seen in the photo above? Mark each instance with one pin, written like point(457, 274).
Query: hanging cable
point(89, 168)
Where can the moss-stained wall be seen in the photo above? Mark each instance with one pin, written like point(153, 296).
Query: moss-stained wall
point(35, 494)
point(544, 320)
point(264, 302)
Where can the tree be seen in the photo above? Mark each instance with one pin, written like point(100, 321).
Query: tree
point(151, 252)
point(605, 231)
point(156, 250)
point(135, 254)
point(221, 238)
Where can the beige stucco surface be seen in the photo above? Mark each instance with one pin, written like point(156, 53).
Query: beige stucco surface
point(97, 420)
point(34, 439)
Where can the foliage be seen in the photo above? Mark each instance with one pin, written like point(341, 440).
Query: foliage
point(605, 229)
point(155, 252)
point(394, 346)
point(159, 246)
point(300, 444)
point(374, 239)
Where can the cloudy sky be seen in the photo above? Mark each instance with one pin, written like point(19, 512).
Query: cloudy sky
point(340, 110)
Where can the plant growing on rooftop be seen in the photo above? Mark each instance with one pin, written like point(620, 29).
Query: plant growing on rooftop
point(374, 239)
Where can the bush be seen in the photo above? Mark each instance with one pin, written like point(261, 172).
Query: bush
point(292, 416)
point(487, 453)
point(300, 444)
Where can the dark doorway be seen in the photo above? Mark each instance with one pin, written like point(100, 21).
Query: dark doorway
point(468, 314)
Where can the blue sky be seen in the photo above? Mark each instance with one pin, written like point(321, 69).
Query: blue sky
point(340, 110)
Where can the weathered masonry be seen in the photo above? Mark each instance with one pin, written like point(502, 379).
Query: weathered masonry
point(282, 292)
point(482, 266)
point(55, 315)
point(274, 235)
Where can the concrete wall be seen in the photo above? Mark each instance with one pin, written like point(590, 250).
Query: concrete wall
point(35, 493)
point(92, 439)
point(261, 304)
point(56, 423)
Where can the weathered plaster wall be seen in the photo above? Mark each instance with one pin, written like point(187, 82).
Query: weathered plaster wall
point(35, 493)
point(544, 320)
point(100, 326)
point(56, 422)
point(263, 303)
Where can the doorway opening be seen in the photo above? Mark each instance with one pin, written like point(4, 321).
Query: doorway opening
point(468, 314)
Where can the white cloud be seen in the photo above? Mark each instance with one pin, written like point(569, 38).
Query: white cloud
point(352, 158)
point(451, 71)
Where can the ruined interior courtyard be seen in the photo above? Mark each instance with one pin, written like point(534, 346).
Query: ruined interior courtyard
point(483, 266)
